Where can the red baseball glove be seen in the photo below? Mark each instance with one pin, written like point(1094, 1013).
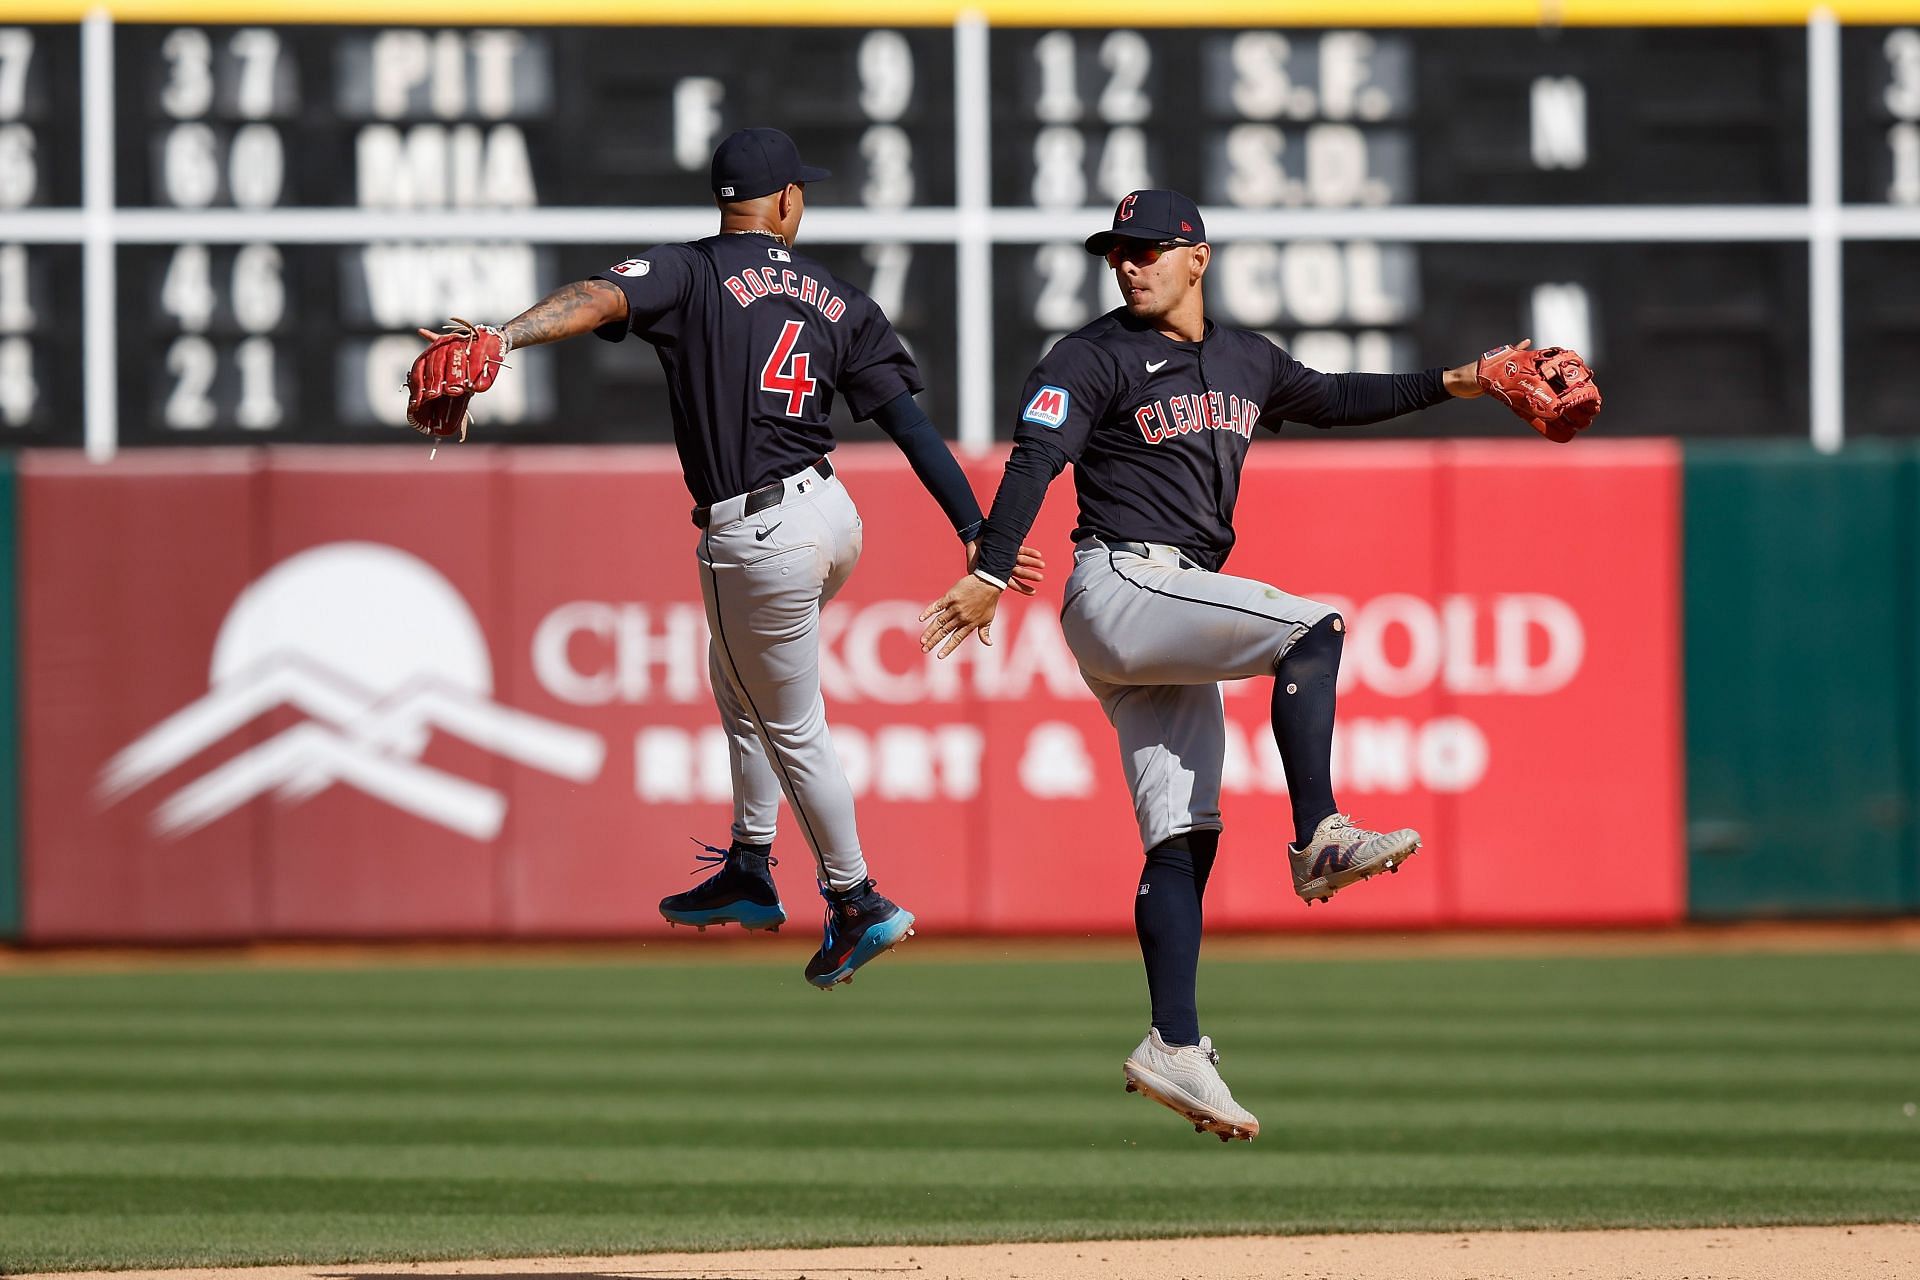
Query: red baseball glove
point(1552, 389)
point(456, 366)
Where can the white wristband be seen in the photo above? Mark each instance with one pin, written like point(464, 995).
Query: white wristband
point(989, 579)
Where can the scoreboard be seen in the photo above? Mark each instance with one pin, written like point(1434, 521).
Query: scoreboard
point(217, 232)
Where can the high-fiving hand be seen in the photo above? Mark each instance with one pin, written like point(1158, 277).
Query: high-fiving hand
point(969, 605)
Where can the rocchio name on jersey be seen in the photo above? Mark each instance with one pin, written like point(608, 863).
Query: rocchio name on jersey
point(755, 283)
point(1182, 415)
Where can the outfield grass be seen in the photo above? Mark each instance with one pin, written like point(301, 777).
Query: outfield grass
point(251, 1115)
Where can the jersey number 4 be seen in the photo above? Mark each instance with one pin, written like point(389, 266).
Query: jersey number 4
point(786, 370)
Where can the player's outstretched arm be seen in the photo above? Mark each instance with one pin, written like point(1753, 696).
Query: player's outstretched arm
point(940, 474)
point(568, 312)
point(1065, 395)
point(1001, 558)
point(1461, 381)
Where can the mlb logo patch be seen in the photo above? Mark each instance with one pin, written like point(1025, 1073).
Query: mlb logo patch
point(1048, 408)
point(726, 193)
point(780, 255)
point(633, 267)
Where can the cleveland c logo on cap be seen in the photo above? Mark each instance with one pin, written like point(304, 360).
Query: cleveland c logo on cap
point(1125, 210)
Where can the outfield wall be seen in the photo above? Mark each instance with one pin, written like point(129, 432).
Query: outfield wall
point(358, 693)
point(10, 686)
point(1803, 711)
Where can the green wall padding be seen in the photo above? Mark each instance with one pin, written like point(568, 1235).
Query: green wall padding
point(1800, 577)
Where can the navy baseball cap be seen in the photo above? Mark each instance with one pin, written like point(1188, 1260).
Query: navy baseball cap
point(1151, 215)
point(758, 162)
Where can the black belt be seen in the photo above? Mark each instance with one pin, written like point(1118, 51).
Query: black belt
point(1144, 551)
point(767, 495)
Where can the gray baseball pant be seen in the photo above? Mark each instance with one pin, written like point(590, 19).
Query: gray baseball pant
point(1154, 636)
point(764, 578)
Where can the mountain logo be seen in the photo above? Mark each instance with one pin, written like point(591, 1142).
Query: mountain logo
point(378, 652)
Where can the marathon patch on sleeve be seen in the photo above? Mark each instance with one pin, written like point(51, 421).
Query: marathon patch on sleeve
point(1048, 408)
point(633, 267)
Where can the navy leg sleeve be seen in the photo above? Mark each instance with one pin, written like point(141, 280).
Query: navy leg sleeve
point(1303, 722)
point(1167, 918)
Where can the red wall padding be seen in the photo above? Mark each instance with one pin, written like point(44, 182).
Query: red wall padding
point(304, 693)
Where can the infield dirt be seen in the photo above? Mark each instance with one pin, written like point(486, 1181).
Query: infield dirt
point(1765, 1253)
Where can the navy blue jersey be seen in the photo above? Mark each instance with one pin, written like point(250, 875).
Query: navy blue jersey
point(1157, 430)
point(756, 341)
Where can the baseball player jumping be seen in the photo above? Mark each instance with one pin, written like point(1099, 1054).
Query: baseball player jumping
point(756, 341)
point(1155, 405)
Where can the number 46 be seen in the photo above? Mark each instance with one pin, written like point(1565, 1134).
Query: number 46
point(794, 384)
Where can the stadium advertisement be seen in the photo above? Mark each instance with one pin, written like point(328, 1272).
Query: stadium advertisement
point(314, 693)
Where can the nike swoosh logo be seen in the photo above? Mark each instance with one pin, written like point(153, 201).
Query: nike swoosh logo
point(1156, 366)
point(762, 535)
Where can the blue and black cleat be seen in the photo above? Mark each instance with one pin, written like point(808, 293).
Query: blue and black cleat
point(860, 925)
point(741, 892)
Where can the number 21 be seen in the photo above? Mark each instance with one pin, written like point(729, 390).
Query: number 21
point(776, 377)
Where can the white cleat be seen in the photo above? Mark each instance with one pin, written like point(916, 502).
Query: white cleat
point(1342, 854)
point(1186, 1078)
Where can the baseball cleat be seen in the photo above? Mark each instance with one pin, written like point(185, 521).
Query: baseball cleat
point(1341, 854)
point(861, 924)
point(741, 892)
point(1186, 1079)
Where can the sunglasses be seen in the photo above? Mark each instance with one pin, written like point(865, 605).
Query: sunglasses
point(1141, 252)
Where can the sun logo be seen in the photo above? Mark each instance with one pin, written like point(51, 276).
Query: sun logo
point(378, 652)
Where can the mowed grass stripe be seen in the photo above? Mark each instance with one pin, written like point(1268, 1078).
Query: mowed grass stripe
point(1069, 1156)
point(1516, 984)
point(255, 1115)
point(48, 1119)
point(1775, 1036)
point(706, 1081)
point(42, 1143)
point(584, 1217)
point(1246, 1190)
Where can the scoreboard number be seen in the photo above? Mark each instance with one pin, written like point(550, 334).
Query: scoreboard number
point(1903, 103)
point(19, 390)
point(19, 173)
point(255, 303)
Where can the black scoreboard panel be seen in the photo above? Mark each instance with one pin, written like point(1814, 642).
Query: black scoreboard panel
point(290, 340)
point(1882, 338)
point(1330, 119)
point(306, 342)
point(40, 400)
point(39, 117)
point(1880, 87)
point(40, 370)
point(1687, 339)
point(402, 118)
point(1672, 116)
point(1695, 340)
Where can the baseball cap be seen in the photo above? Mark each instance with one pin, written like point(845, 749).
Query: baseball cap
point(1151, 215)
point(757, 162)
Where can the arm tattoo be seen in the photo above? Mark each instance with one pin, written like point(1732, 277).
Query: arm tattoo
point(568, 311)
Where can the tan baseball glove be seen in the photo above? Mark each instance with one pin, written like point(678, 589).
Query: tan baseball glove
point(1552, 390)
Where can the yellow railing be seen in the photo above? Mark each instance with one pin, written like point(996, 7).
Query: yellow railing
point(1009, 13)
